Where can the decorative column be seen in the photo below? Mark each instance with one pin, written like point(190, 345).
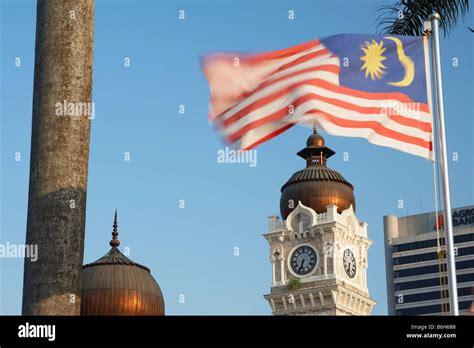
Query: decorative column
point(272, 259)
point(282, 269)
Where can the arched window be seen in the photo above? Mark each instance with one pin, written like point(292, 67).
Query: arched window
point(301, 222)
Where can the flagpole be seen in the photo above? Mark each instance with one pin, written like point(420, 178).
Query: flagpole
point(453, 294)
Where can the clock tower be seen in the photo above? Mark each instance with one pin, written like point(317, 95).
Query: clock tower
point(318, 250)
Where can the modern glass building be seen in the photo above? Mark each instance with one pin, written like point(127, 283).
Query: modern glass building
point(416, 263)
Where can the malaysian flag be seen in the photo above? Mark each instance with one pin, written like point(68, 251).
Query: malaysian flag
point(370, 86)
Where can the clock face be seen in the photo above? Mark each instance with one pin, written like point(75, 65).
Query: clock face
point(349, 262)
point(303, 260)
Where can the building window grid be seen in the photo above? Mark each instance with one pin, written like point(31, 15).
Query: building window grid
point(403, 260)
point(430, 309)
point(434, 295)
point(425, 283)
point(431, 269)
point(423, 244)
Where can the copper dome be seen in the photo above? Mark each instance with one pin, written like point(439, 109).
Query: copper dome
point(317, 185)
point(115, 285)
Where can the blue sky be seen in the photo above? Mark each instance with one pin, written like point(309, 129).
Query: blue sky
point(174, 156)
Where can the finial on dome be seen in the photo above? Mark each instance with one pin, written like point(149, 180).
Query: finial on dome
point(315, 139)
point(114, 243)
point(316, 152)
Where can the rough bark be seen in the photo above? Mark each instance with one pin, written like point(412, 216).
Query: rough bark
point(59, 157)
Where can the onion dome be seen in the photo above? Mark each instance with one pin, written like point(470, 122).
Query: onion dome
point(115, 285)
point(317, 185)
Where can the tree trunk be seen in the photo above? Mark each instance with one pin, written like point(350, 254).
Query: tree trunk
point(59, 156)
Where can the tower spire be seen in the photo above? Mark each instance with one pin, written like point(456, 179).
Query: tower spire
point(316, 152)
point(114, 243)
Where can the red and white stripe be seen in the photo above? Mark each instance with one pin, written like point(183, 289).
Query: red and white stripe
point(256, 97)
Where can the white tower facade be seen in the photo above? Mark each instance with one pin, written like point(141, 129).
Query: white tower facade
point(319, 251)
point(319, 263)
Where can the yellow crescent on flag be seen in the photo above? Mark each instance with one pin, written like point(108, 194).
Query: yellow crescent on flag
point(406, 62)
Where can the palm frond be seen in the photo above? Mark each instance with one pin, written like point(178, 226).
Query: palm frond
point(406, 17)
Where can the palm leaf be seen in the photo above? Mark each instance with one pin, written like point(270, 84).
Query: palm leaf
point(406, 17)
